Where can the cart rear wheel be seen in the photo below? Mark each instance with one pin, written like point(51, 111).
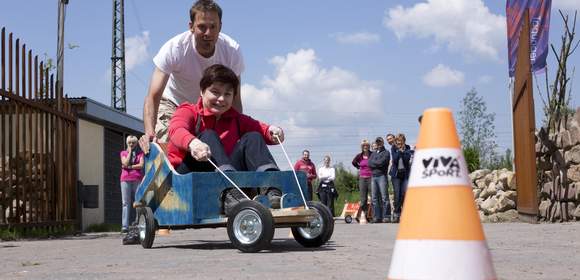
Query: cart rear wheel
point(147, 225)
point(250, 226)
point(319, 230)
point(348, 219)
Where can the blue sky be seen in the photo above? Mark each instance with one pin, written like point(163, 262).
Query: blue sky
point(329, 72)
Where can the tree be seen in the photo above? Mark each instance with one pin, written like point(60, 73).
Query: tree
point(477, 128)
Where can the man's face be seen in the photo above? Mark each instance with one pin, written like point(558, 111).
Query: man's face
point(305, 155)
point(390, 139)
point(218, 98)
point(206, 30)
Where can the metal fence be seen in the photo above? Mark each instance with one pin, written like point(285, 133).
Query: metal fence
point(38, 164)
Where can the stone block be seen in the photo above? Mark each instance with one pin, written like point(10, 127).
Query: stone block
point(478, 174)
point(512, 195)
point(572, 156)
point(478, 203)
point(543, 208)
point(488, 206)
point(574, 132)
point(568, 194)
point(508, 216)
point(489, 191)
point(503, 204)
point(576, 213)
point(566, 140)
point(476, 193)
point(568, 212)
point(546, 189)
point(574, 173)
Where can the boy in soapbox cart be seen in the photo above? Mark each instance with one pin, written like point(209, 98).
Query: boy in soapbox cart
point(219, 172)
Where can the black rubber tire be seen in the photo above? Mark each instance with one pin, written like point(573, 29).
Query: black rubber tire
point(327, 222)
point(265, 218)
point(348, 219)
point(146, 214)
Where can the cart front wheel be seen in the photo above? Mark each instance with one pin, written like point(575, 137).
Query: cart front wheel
point(319, 230)
point(146, 224)
point(348, 219)
point(250, 226)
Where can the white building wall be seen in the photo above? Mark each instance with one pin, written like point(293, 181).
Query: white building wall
point(91, 167)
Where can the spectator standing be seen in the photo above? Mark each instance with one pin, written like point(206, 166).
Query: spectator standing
point(179, 65)
point(306, 165)
point(379, 163)
point(361, 162)
point(326, 190)
point(400, 171)
point(131, 175)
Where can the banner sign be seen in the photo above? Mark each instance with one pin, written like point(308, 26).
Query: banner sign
point(539, 31)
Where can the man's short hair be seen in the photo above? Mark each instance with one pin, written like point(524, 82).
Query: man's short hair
point(379, 140)
point(204, 6)
point(306, 151)
point(219, 73)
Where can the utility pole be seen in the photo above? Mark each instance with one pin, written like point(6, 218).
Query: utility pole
point(60, 46)
point(118, 100)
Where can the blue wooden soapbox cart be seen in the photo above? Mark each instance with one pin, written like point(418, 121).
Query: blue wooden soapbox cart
point(166, 199)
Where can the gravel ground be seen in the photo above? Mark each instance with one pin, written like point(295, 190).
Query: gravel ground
point(520, 251)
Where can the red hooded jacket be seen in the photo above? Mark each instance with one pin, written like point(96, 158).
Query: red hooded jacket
point(183, 122)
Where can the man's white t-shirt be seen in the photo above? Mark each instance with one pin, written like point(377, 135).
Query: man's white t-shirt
point(179, 58)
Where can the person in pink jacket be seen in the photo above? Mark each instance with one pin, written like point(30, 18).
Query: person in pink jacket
point(213, 130)
point(131, 175)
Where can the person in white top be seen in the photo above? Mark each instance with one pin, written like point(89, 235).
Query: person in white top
point(326, 191)
point(179, 65)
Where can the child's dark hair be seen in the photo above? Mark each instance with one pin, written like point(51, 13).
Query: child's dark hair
point(219, 73)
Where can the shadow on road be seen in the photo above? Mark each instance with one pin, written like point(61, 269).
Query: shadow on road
point(277, 246)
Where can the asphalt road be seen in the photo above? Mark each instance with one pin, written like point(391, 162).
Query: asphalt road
point(520, 251)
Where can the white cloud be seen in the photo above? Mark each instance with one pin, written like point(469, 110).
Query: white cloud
point(443, 76)
point(136, 50)
point(303, 98)
point(465, 26)
point(485, 79)
point(360, 38)
point(566, 5)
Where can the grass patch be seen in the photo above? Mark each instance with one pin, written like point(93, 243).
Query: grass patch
point(11, 234)
point(104, 227)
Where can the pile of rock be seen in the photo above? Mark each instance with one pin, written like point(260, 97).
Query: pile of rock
point(558, 159)
point(495, 195)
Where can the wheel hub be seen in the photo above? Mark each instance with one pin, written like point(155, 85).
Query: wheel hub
point(247, 226)
point(314, 228)
point(142, 226)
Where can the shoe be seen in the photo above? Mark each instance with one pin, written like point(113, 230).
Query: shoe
point(132, 237)
point(387, 220)
point(396, 220)
point(231, 197)
point(124, 230)
point(274, 196)
point(377, 221)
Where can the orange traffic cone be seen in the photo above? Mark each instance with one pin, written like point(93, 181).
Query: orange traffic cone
point(440, 235)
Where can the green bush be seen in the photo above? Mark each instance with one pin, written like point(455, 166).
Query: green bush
point(471, 158)
point(103, 228)
point(502, 162)
point(9, 234)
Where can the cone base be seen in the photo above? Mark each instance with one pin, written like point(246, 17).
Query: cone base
point(441, 259)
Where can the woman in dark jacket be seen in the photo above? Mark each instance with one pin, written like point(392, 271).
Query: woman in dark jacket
point(401, 154)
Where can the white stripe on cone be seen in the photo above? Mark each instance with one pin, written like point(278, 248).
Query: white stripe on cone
point(436, 167)
point(441, 259)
